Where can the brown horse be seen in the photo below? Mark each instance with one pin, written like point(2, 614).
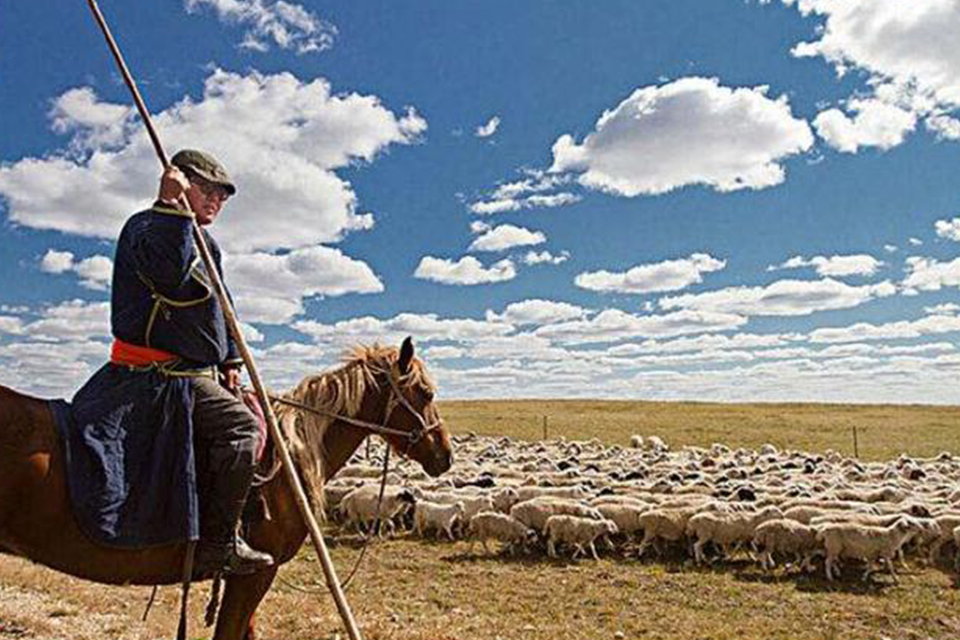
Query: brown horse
point(35, 515)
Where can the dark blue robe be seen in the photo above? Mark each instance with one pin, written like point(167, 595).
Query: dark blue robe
point(128, 436)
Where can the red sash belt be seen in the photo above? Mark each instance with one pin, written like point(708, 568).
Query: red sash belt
point(134, 355)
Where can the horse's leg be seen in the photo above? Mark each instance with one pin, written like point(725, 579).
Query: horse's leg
point(241, 598)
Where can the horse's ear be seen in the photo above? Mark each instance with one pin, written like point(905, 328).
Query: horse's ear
point(406, 355)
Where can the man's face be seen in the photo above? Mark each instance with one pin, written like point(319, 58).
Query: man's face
point(206, 199)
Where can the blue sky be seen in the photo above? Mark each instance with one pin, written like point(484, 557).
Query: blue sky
point(734, 200)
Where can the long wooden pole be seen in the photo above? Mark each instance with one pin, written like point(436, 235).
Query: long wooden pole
point(288, 465)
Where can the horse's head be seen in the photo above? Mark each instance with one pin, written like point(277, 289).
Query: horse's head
point(410, 409)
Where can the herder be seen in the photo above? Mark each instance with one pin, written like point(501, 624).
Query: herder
point(161, 386)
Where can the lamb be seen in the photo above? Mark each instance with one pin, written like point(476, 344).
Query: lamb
point(534, 513)
point(782, 535)
point(576, 531)
point(726, 529)
point(491, 525)
point(437, 517)
point(359, 507)
point(866, 542)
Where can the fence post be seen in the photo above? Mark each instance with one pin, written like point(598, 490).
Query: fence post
point(544, 427)
point(856, 444)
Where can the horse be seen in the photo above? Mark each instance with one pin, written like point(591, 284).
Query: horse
point(322, 419)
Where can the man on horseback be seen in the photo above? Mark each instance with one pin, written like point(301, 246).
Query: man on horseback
point(165, 320)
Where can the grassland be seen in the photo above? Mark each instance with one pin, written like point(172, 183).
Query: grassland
point(419, 590)
point(883, 431)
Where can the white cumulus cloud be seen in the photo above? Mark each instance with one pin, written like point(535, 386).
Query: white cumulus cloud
point(907, 52)
point(285, 24)
point(465, 271)
point(506, 236)
point(423, 328)
point(270, 288)
point(545, 257)
point(929, 274)
point(537, 312)
point(488, 129)
point(614, 325)
point(690, 131)
point(537, 201)
point(669, 275)
point(876, 124)
point(899, 330)
point(280, 138)
point(949, 229)
point(781, 298)
point(835, 266)
point(95, 272)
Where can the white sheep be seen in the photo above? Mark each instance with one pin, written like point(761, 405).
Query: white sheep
point(769, 450)
point(505, 498)
point(930, 530)
point(571, 493)
point(359, 507)
point(782, 535)
point(942, 534)
point(656, 444)
point(956, 557)
point(845, 540)
point(806, 514)
point(726, 529)
point(492, 525)
point(576, 531)
point(625, 515)
point(432, 516)
point(664, 524)
point(473, 502)
point(534, 513)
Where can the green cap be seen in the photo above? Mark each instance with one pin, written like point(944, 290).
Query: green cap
point(205, 166)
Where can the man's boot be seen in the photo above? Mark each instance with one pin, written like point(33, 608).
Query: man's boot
point(221, 549)
point(230, 558)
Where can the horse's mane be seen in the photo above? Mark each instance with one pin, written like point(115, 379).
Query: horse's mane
point(339, 391)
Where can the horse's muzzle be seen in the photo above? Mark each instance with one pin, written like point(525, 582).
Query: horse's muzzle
point(439, 463)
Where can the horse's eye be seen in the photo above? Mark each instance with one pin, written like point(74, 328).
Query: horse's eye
point(428, 396)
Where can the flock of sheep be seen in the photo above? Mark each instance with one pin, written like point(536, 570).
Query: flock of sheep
point(566, 497)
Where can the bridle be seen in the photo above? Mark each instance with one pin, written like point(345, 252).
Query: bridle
point(396, 397)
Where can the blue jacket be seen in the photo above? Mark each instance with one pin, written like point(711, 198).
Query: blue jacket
point(161, 296)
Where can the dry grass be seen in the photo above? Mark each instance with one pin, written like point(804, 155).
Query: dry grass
point(884, 431)
point(418, 590)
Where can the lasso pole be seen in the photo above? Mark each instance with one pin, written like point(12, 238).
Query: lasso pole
point(231, 319)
